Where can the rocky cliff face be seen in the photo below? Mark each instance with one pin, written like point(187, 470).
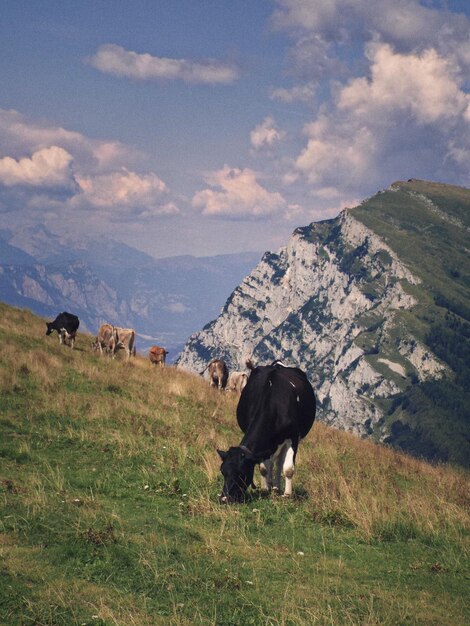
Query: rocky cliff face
point(336, 301)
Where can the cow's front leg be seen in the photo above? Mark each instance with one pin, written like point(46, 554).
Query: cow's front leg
point(266, 471)
point(288, 469)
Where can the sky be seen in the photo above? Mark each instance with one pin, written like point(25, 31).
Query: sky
point(207, 127)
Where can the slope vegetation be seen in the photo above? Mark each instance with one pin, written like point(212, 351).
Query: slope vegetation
point(428, 226)
point(109, 512)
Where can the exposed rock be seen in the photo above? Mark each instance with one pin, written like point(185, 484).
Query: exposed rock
point(328, 302)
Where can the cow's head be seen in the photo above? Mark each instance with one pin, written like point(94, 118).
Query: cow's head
point(49, 328)
point(237, 468)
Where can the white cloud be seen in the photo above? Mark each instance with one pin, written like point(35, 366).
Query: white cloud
point(77, 173)
point(125, 190)
point(266, 134)
point(407, 118)
point(237, 194)
point(402, 110)
point(336, 155)
point(323, 31)
point(299, 93)
point(115, 60)
point(424, 85)
point(49, 167)
point(19, 134)
point(402, 22)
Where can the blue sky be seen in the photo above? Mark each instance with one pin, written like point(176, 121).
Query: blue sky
point(205, 127)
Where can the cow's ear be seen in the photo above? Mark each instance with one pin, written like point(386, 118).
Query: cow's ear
point(222, 454)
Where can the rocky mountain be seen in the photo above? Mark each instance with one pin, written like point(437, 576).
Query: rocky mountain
point(165, 300)
point(374, 305)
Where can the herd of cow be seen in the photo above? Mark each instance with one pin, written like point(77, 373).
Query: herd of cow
point(109, 340)
point(275, 411)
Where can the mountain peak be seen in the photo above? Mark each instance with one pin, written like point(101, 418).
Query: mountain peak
point(361, 302)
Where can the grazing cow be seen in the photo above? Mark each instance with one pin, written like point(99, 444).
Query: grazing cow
point(218, 373)
point(105, 339)
point(237, 381)
point(157, 355)
point(124, 338)
point(275, 411)
point(66, 326)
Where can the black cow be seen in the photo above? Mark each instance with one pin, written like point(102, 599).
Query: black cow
point(66, 325)
point(276, 409)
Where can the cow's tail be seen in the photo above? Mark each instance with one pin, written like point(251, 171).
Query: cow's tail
point(204, 370)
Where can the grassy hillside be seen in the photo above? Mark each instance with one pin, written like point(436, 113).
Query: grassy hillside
point(428, 225)
point(109, 512)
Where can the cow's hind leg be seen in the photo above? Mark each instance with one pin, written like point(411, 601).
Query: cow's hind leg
point(288, 469)
point(279, 458)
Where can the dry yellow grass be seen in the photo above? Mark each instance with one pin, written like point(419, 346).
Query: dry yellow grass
point(368, 484)
point(348, 480)
point(163, 427)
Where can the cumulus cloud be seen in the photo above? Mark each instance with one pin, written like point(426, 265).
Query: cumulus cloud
point(19, 134)
point(401, 109)
point(406, 24)
point(326, 36)
point(424, 85)
point(77, 173)
point(142, 193)
point(266, 134)
point(337, 154)
point(47, 168)
point(113, 59)
point(408, 117)
point(236, 193)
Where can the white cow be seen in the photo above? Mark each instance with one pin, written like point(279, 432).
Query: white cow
point(237, 381)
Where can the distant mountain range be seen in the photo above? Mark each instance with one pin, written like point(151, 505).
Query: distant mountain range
point(100, 280)
point(375, 306)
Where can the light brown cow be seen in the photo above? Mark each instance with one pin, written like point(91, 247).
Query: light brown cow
point(237, 381)
point(124, 338)
point(218, 373)
point(105, 340)
point(157, 355)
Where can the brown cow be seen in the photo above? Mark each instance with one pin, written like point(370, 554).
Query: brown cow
point(237, 381)
point(157, 355)
point(218, 373)
point(124, 338)
point(105, 340)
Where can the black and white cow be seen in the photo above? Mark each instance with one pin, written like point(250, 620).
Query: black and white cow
point(66, 325)
point(275, 411)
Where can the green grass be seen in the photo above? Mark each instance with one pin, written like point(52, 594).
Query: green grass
point(426, 224)
point(109, 512)
point(434, 248)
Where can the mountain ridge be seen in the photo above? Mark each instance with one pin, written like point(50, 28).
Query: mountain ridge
point(362, 302)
